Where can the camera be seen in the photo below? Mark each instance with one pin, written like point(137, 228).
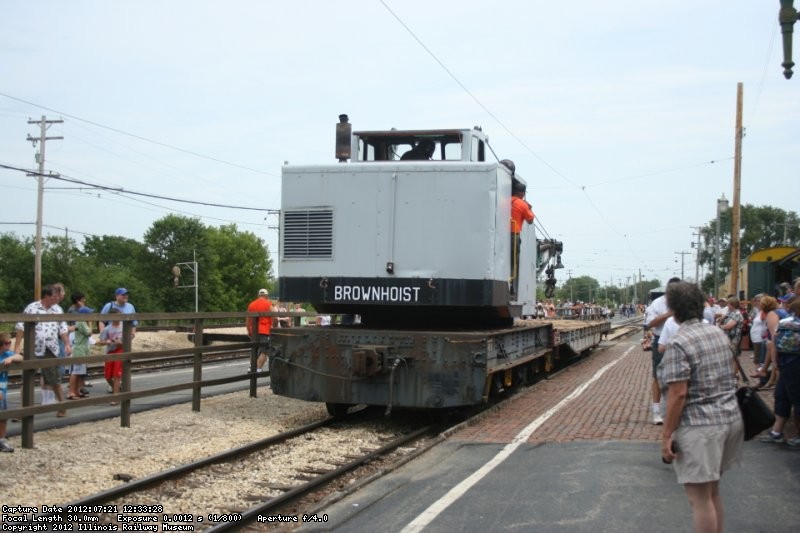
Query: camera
point(674, 449)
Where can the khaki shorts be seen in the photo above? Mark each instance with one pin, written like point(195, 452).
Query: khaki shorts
point(705, 452)
point(51, 375)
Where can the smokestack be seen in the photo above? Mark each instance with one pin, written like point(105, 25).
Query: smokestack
point(344, 131)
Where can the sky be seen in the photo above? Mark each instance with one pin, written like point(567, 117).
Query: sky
point(620, 115)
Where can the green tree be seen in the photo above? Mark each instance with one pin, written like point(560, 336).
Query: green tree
point(242, 266)
point(177, 239)
point(583, 289)
point(16, 272)
point(761, 227)
point(110, 262)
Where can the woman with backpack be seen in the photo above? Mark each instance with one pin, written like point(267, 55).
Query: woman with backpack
point(784, 338)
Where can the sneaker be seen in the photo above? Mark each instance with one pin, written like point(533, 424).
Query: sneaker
point(109, 390)
point(655, 410)
point(794, 443)
point(773, 437)
point(5, 446)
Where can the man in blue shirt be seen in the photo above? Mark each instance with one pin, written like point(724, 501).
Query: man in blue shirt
point(122, 305)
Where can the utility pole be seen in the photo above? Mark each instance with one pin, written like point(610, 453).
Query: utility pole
point(785, 225)
point(569, 278)
point(737, 185)
point(682, 254)
point(722, 205)
point(44, 124)
point(627, 287)
point(699, 246)
point(786, 230)
point(642, 299)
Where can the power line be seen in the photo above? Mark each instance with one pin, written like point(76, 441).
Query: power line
point(504, 127)
point(141, 138)
point(47, 226)
point(121, 190)
point(195, 176)
point(475, 98)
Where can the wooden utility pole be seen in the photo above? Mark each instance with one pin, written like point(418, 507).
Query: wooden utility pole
point(41, 139)
point(737, 185)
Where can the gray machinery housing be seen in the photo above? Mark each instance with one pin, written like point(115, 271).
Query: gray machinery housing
point(406, 243)
point(419, 245)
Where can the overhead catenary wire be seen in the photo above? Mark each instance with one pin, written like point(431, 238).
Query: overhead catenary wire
point(140, 137)
point(122, 190)
point(582, 188)
point(179, 173)
point(504, 127)
point(3, 223)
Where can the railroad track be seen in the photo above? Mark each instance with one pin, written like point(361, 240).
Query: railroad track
point(630, 325)
point(173, 494)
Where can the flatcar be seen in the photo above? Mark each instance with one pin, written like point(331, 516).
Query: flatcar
point(410, 230)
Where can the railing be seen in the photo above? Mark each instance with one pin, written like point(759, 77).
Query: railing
point(32, 364)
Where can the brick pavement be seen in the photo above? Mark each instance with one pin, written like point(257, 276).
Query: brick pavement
point(615, 407)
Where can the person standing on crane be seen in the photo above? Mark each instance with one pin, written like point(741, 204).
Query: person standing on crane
point(520, 212)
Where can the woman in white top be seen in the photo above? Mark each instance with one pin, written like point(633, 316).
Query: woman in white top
point(757, 330)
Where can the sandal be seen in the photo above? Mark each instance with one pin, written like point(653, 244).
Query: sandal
point(73, 397)
point(113, 403)
point(83, 394)
point(759, 373)
point(61, 414)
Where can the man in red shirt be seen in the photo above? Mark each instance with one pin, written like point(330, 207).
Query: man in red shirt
point(520, 211)
point(261, 305)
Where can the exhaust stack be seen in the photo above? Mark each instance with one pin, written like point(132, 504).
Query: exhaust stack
point(344, 131)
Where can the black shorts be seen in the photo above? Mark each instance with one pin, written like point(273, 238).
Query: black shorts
point(263, 343)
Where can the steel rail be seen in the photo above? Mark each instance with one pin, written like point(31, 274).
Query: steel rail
point(180, 471)
point(252, 514)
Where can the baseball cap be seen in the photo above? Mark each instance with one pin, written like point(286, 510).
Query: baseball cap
point(121, 290)
point(263, 292)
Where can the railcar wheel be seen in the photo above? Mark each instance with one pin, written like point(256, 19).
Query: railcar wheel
point(337, 410)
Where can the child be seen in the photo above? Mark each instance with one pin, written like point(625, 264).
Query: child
point(80, 348)
point(6, 358)
point(111, 336)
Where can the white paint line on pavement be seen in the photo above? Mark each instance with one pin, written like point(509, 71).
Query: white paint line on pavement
point(436, 508)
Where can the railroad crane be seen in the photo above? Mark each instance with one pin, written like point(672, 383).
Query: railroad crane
point(410, 230)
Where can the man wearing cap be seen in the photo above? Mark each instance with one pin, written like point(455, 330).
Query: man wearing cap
point(261, 305)
point(520, 212)
point(122, 305)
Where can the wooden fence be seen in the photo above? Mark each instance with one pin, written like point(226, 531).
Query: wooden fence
point(31, 364)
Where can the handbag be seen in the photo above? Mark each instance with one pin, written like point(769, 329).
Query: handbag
point(756, 414)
